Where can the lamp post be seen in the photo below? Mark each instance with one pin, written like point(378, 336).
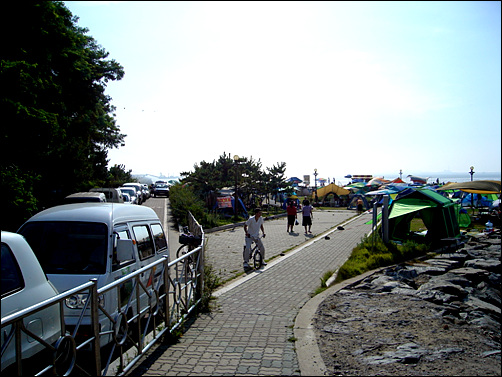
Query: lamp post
point(315, 184)
point(471, 172)
point(472, 195)
point(236, 162)
point(400, 173)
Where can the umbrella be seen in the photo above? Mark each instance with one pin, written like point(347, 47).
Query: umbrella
point(295, 180)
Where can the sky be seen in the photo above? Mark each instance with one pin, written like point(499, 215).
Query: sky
point(342, 87)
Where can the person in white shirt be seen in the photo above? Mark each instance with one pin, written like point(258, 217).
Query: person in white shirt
point(252, 229)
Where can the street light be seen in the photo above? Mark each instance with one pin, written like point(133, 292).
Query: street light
point(236, 162)
point(472, 195)
point(315, 184)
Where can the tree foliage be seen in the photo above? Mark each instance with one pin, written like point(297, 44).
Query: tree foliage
point(246, 173)
point(58, 121)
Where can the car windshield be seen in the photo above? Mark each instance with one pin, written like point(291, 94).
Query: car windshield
point(161, 186)
point(68, 247)
point(131, 191)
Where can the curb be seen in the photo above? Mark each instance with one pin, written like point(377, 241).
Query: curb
point(309, 356)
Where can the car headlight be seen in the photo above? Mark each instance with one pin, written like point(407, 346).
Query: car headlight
point(79, 300)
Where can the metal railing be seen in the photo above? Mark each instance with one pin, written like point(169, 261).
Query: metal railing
point(149, 312)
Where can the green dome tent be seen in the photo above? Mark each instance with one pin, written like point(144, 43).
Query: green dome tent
point(439, 214)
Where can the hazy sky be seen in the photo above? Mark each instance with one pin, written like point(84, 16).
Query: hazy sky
point(341, 87)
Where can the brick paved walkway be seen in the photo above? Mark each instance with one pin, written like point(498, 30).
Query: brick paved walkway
point(251, 330)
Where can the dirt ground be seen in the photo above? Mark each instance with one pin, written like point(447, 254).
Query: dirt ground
point(364, 333)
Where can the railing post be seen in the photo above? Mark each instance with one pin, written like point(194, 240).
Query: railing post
point(95, 325)
point(167, 280)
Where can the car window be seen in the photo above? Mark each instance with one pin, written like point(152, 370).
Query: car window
point(122, 234)
point(12, 279)
point(159, 238)
point(144, 241)
point(68, 247)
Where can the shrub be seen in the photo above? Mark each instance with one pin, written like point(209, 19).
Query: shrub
point(184, 200)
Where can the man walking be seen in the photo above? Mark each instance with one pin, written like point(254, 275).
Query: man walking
point(252, 229)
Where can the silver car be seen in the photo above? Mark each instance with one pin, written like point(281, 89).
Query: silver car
point(25, 284)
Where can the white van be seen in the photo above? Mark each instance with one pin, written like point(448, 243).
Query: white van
point(113, 195)
point(77, 242)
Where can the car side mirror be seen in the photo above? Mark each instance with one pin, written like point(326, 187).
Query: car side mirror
point(125, 250)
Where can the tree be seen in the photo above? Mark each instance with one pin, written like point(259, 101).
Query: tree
point(247, 173)
point(118, 176)
point(58, 121)
point(276, 179)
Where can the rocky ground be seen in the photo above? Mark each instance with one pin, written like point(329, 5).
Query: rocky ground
point(439, 316)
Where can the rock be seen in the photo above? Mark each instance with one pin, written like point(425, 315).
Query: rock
point(488, 265)
point(475, 275)
point(483, 306)
point(448, 306)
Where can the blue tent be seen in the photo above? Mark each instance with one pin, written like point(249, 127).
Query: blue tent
point(478, 200)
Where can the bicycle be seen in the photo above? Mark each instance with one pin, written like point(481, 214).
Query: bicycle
point(254, 254)
point(188, 242)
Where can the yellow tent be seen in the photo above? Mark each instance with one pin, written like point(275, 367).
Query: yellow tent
point(323, 191)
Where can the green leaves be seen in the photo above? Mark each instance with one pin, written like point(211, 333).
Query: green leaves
point(246, 173)
point(58, 122)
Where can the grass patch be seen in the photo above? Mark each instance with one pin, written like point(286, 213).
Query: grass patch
point(324, 284)
point(211, 282)
point(372, 253)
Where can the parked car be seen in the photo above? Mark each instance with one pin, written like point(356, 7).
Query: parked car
point(85, 197)
point(25, 284)
point(126, 198)
point(139, 190)
point(146, 191)
point(107, 242)
point(112, 194)
point(131, 191)
point(160, 189)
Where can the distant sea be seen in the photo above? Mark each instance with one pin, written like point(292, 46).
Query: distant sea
point(444, 177)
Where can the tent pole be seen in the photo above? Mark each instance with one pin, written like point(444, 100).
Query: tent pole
point(385, 219)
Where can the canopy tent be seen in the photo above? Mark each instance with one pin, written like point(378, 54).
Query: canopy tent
point(322, 181)
point(358, 188)
point(439, 214)
point(385, 191)
point(418, 180)
point(377, 181)
point(356, 185)
point(332, 188)
point(397, 180)
point(474, 187)
point(295, 180)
